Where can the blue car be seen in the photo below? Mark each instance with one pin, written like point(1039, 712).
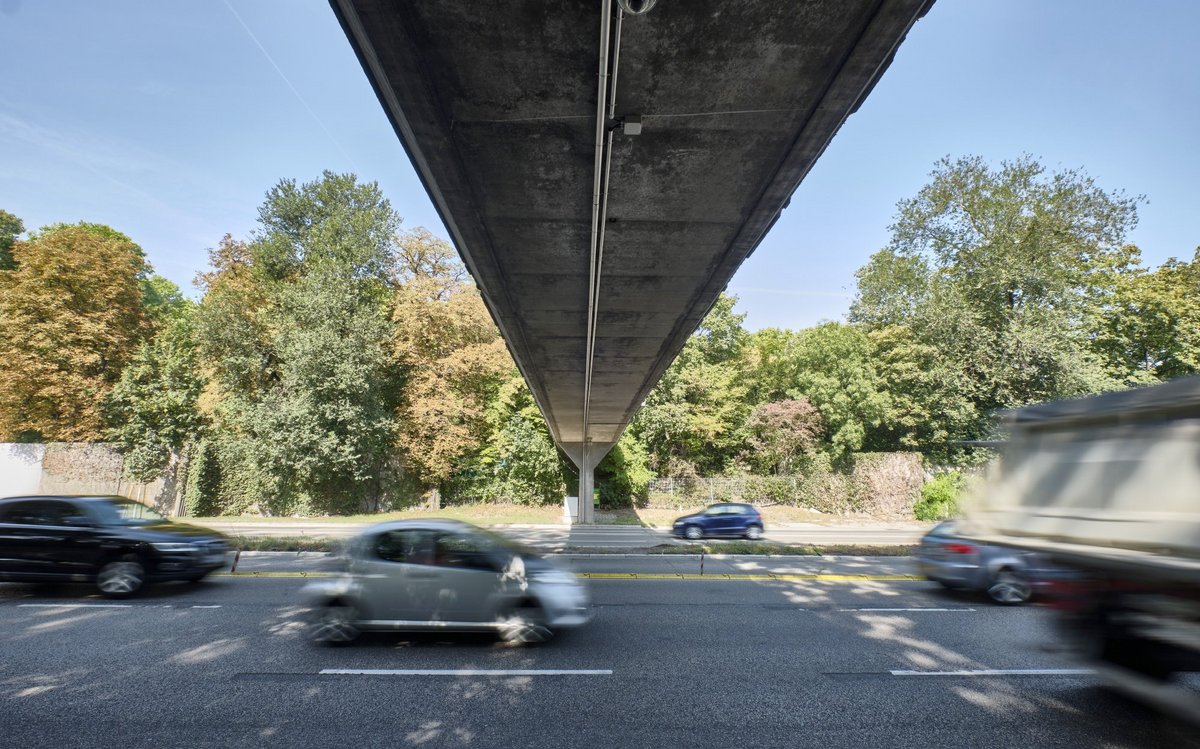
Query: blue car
point(724, 519)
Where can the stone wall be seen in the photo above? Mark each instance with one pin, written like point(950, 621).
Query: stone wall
point(83, 468)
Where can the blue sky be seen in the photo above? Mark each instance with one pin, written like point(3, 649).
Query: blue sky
point(170, 120)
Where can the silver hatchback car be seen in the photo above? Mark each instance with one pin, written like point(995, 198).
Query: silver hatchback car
point(444, 575)
point(1007, 576)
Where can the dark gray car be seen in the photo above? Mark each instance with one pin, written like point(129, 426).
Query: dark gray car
point(115, 542)
point(444, 575)
point(1007, 576)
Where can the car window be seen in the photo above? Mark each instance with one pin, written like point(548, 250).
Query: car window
point(38, 512)
point(407, 546)
point(125, 512)
point(465, 551)
point(716, 510)
point(947, 528)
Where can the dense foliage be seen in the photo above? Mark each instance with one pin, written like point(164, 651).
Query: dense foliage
point(338, 363)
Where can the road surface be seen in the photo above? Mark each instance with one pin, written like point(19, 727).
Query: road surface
point(699, 663)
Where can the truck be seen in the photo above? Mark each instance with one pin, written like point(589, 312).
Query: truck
point(1108, 489)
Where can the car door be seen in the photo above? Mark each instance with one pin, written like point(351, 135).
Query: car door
point(721, 521)
point(71, 545)
point(38, 538)
point(470, 578)
point(396, 575)
point(16, 546)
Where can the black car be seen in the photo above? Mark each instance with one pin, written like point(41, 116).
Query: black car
point(723, 519)
point(114, 542)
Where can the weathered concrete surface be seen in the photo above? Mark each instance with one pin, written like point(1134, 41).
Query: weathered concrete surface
point(496, 101)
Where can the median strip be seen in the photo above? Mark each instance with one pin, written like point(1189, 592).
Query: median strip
point(464, 672)
point(1002, 672)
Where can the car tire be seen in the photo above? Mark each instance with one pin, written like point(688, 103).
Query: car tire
point(693, 533)
point(524, 625)
point(1008, 588)
point(754, 532)
point(334, 624)
point(121, 578)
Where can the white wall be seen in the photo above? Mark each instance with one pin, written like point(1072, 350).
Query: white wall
point(20, 468)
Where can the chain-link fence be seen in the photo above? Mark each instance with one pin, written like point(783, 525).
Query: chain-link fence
point(878, 484)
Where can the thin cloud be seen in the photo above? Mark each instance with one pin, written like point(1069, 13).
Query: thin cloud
point(299, 98)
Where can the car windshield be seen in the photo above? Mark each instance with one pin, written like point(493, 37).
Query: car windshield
point(126, 512)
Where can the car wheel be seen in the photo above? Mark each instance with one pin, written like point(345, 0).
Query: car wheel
point(121, 577)
point(524, 625)
point(693, 533)
point(754, 532)
point(1009, 588)
point(334, 624)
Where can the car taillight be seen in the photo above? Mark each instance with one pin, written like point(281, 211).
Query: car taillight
point(960, 548)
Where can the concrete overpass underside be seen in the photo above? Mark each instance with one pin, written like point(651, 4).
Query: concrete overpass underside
point(603, 173)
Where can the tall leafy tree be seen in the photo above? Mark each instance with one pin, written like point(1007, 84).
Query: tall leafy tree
point(1151, 330)
point(1000, 271)
point(71, 318)
point(10, 228)
point(835, 369)
point(153, 409)
point(452, 356)
point(295, 327)
point(693, 419)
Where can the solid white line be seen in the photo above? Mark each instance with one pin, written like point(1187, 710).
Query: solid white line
point(914, 609)
point(463, 672)
point(1003, 672)
point(74, 606)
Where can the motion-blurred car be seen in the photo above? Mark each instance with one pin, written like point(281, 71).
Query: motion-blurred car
point(1008, 576)
point(114, 542)
point(722, 519)
point(435, 575)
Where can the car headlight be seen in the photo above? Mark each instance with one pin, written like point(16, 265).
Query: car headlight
point(554, 577)
point(173, 547)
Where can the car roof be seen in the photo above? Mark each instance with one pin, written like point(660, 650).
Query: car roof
point(432, 524)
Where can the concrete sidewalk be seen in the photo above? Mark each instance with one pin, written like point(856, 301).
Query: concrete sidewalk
point(307, 562)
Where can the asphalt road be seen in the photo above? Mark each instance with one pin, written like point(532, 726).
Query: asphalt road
point(697, 663)
point(553, 537)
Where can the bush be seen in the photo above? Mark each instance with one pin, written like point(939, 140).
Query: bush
point(939, 497)
point(624, 476)
point(203, 481)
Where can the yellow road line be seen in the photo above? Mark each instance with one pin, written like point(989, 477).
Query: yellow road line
point(275, 574)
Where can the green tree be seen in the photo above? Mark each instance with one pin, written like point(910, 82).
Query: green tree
point(71, 317)
point(519, 462)
point(999, 274)
point(294, 327)
point(836, 371)
point(693, 419)
point(152, 411)
point(10, 228)
point(1151, 331)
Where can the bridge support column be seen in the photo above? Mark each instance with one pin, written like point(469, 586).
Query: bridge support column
point(586, 456)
